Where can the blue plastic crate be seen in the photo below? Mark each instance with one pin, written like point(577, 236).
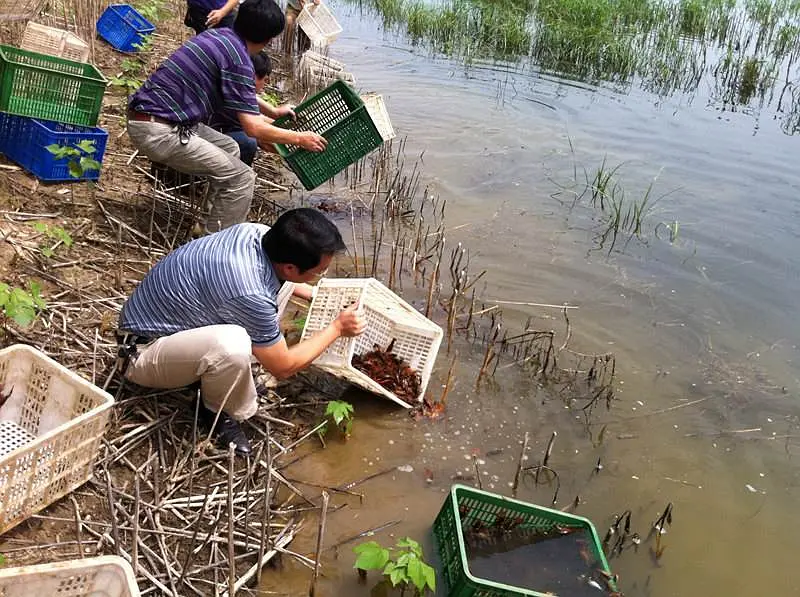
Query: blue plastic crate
point(24, 140)
point(123, 27)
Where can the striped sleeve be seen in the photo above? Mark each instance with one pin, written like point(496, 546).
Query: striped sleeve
point(255, 313)
point(239, 89)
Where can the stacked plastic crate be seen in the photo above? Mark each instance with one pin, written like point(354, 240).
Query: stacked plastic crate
point(50, 100)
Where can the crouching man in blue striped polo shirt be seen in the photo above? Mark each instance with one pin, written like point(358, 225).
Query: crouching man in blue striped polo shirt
point(212, 72)
point(206, 308)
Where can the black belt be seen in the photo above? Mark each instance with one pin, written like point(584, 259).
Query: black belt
point(131, 339)
point(126, 348)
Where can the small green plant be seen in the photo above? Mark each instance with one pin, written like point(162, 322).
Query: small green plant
point(152, 10)
point(271, 98)
point(2, 560)
point(145, 44)
point(19, 305)
point(403, 565)
point(130, 78)
point(53, 233)
point(341, 413)
point(79, 155)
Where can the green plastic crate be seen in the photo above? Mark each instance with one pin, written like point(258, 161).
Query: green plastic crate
point(49, 88)
point(338, 114)
point(483, 506)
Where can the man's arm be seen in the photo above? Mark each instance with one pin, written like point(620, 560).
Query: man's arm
point(284, 361)
point(274, 112)
point(303, 291)
point(255, 126)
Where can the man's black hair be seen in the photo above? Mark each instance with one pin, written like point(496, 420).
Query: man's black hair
point(258, 21)
point(301, 237)
point(261, 64)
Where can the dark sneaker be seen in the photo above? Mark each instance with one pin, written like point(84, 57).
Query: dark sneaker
point(227, 430)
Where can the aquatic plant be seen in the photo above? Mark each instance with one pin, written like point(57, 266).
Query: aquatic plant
point(666, 46)
point(402, 566)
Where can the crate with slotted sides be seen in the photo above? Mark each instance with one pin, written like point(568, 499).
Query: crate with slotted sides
point(338, 114)
point(390, 323)
point(54, 42)
point(316, 71)
point(102, 576)
point(379, 114)
point(26, 140)
point(50, 88)
point(123, 27)
point(319, 24)
point(52, 422)
point(475, 530)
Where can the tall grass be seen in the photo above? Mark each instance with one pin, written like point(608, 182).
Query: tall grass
point(667, 46)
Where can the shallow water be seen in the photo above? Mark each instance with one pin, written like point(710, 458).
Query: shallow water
point(704, 329)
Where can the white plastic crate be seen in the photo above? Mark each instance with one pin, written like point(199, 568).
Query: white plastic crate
point(54, 42)
point(319, 24)
point(388, 317)
point(50, 432)
point(379, 114)
point(322, 60)
point(104, 576)
point(318, 71)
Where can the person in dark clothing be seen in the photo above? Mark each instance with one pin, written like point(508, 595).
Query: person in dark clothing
point(207, 14)
point(227, 122)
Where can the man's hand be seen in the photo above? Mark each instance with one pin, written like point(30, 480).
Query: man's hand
point(284, 110)
point(349, 323)
point(312, 141)
point(214, 17)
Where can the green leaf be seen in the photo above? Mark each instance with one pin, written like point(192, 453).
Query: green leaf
point(60, 151)
point(339, 411)
point(36, 294)
point(412, 545)
point(88, 164)
point(40, 227)
point(404, 558)
point(62, 235)
point(2, 560)
point(46, 251)
point(397, 576)
point(371, 556)
point(415, 573)
point(75, 169)
point(87, 146)
point(430, 576)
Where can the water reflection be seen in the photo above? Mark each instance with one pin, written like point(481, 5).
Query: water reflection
point(747, 53)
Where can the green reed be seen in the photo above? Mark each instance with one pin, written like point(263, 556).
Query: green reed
point(666, 46)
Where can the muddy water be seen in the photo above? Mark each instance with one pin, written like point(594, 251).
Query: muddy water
point(704, 328)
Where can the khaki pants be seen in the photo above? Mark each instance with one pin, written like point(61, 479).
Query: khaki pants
point(218, 356)
point(207, 153)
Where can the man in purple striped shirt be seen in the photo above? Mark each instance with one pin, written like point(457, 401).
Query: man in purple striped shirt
point(212, 72)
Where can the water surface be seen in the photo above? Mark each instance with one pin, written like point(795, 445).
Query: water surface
point(704, 328)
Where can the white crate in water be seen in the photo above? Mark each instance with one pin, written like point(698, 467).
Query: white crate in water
point(376, 108)
point(103, 576)
point(54, 42)
point(319, 24)
point(388, 318)
point(51, 426)
point(315, 70)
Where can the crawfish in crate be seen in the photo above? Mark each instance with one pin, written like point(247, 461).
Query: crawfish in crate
point(390, 371)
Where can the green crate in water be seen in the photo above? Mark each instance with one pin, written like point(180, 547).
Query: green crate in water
point(468, 508)
point(338, 114)
point(49, 88)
